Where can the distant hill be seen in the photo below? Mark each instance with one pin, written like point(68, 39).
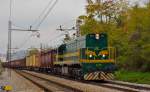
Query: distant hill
point(2, 55)
point(19, 55)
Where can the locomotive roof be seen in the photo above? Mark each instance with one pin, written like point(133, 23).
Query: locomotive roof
point(77, 39)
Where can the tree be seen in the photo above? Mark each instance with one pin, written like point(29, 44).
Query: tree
point(139, 39)
point(106, 10)
point(134, 45)
point(102, 15)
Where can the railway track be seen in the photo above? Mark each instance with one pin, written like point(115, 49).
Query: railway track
point(122, 87)
point(139, 87)
point(118, 85)
point(45, 84)
point(115, 86)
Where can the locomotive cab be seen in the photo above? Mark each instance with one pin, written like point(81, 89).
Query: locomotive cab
point(98, 60)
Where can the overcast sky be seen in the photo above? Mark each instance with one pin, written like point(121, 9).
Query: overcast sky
point(25, 12)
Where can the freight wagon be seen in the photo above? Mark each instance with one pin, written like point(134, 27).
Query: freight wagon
point(19, 63)
point(33, 59)
point(47, 59)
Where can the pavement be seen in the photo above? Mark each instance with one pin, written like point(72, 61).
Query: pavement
point(10, 78)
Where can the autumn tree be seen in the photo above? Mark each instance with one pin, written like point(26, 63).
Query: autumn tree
point(102, 14)
point(133, 46)
point(139, 39)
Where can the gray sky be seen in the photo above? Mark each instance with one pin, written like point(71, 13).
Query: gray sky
point(25, 12)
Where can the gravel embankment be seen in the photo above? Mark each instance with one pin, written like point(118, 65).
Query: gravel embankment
point(18, 83)
point(74, 84)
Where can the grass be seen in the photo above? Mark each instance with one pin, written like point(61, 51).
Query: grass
point(134, 77)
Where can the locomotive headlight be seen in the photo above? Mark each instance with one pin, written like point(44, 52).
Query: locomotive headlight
point(90, 56)
point(103, 55)
point(97, 36)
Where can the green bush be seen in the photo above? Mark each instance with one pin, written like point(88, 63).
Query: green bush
point(135, 77)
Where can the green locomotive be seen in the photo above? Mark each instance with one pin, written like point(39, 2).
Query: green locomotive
point(88, 57)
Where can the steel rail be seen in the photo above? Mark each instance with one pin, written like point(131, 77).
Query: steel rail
point(46, 89)
point(132, 85)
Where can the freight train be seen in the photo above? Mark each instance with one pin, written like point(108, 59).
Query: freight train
point(88, 58)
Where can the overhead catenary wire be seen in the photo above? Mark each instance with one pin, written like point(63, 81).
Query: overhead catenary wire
point(46, 11)
point(25, 41)
point(56, 38)
point(49, 10)
point(35, 22)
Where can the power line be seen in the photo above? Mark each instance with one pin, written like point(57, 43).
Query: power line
point(56, 37)
point(24, 42)
point(44, 17)
point(50, 9)
point(42, 13)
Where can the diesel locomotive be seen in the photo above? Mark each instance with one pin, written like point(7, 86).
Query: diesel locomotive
point(88, 57)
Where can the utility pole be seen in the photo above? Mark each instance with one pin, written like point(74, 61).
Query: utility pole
point(10, 29)
point(9, 45)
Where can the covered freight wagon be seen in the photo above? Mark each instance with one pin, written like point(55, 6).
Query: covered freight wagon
point(33, 60)
point(18, 60)
point(47, 59)
point(19, 63)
